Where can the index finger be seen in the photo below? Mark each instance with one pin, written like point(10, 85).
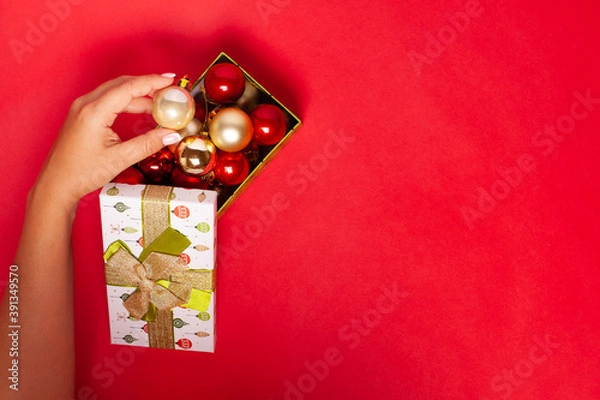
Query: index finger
point(116, 99)
point(94, 94)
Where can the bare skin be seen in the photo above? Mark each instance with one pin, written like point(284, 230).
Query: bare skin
point(46, 362)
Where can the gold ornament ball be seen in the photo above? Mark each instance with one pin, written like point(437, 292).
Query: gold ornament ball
point(173, 107)
point(195, 155)
point(230, 129)
point(249, 98)
point(193, 128)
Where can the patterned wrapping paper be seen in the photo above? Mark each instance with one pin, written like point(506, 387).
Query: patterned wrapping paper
point(190, 212)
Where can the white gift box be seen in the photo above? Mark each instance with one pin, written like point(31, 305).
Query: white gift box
point(145, 279)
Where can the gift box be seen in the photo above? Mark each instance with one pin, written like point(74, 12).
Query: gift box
point(159, 256)
point(265, 154)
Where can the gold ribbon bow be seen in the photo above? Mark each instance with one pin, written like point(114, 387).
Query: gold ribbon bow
point(163, 281)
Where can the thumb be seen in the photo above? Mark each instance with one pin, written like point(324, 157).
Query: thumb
point(140, 147)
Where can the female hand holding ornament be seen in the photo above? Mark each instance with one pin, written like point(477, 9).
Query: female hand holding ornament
point(86, 155)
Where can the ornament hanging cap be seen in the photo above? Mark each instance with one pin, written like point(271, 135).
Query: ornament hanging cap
point(184, 82)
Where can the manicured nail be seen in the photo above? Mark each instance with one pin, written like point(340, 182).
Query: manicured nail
point(169, 75)
point(171, 138)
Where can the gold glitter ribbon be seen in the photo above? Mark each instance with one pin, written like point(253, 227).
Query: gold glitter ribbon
point(162, 278)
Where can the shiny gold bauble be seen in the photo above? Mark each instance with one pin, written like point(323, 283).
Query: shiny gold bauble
point(173, 107)
point(195, 155)
point(230, 129)
point(193, 128)
point(250, 98)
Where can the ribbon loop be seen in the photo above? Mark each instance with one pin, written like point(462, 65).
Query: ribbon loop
point(136, 303)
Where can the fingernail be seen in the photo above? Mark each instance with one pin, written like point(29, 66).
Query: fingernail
point(171, 138)
point(169, 75)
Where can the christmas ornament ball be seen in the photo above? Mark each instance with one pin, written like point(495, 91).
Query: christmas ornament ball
point(195, 155)
point(173, 107)
point(268, 123)
point(181, 179)
point(224, 83)
point(249, 98)
point(230, 129)
point(157, 168)
point(193, 128)
point(231, 168)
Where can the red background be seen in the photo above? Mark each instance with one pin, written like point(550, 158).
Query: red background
point(476, 297)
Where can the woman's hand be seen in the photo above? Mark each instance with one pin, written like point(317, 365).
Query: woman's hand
point(88, 153)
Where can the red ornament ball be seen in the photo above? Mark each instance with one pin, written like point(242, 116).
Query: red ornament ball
point(231, 168)
point(130, 175)
point(224, 83)
point(158, 167)
point(269, 125)
point(181, 179)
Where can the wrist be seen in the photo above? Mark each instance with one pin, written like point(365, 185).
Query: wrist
point(52, 197)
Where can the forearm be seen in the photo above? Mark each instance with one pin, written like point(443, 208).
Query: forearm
point(45, 306)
